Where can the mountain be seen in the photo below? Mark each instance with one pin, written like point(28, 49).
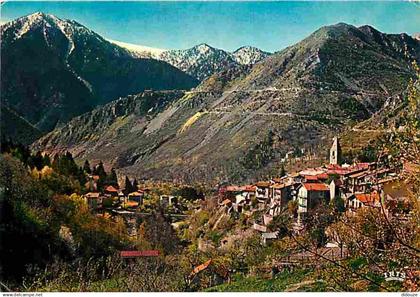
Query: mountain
point(200, 61)
point(248, 55)
point(239, 123)
point(139, 51)
point(13, 126)
point(54, 69)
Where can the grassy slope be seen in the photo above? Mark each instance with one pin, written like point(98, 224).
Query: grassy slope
point(298, 280)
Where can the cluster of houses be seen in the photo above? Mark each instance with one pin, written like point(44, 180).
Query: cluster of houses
point(116, 197)
point(358, 185)
point(112, 195)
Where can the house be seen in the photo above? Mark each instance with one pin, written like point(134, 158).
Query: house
point(166, 200)
point(226, 203)
point(268, 237)
point(395, 189)
point(310, 178)
point(200, 268)
point(243, 197)
point(259, 227)
point(136, 196)
point(310, 195)
point(267, 219)
point(359, 200)
point(280, 195)
point(262, 191)
point(336, 189)
point(111, 191)
point(93, 200)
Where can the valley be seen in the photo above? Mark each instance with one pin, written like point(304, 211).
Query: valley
point(138, 169)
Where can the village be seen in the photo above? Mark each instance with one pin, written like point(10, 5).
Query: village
point(358, 185)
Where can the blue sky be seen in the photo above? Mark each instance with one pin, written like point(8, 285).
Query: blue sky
point(268, 25)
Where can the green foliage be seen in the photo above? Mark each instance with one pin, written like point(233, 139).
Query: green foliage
point(338, 204)
point(279, 283)
point(189, 193)
point(107, 202)
point(112, 178)
point(128, 186)
point(215, 236)
point(160, 234)
point(32, 211)
point(86, 167)
point(260, 154)
point(318, 219)
point(282, 171)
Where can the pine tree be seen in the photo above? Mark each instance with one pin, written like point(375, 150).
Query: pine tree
point(128, 185)
point(55, 162)
point(46, 161)
point(86, 167)
point(35, 161)
point(112, 178)
point(135, 185)
point(100, 171)
point(282, 171)
point(81, 177)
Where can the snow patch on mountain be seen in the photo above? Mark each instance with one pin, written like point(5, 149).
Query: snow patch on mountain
point(139, 51)
point(200, 61)
point(46, 23)
point(248, 55)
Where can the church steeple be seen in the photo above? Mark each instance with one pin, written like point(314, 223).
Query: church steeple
point(335, 152)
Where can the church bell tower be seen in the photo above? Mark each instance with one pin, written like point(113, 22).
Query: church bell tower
point(335, 152)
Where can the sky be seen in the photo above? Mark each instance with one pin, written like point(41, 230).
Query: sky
point(270, 26)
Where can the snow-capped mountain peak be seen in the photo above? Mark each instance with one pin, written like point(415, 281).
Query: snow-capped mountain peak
point(202, 60)
point(248, 55)
point(48, 25)
point(203, 48)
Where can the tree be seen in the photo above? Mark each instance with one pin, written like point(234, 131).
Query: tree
point(282, 171)
point(135, 184)
point(112, 178)
point(100, 171)
point(37, 161)
point(46, 161)
point(86, 167)
point(159, 232)
point(189, 193)
point(128, 186)
point(338, 204)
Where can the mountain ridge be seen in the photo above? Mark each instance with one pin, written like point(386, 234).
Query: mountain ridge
point(54, 69)
point(201, 60)
point(238, 123)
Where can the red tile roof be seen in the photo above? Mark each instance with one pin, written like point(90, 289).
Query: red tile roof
point(111, 189)
point(316, 187)
point(226, 202)
point(311, 177)
point(201, 267)
point(92, 195)
point(279, 186)
point(233, 189)
point(250, 188)
point(263, 184)
point(322, 176)
point(368, 197)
